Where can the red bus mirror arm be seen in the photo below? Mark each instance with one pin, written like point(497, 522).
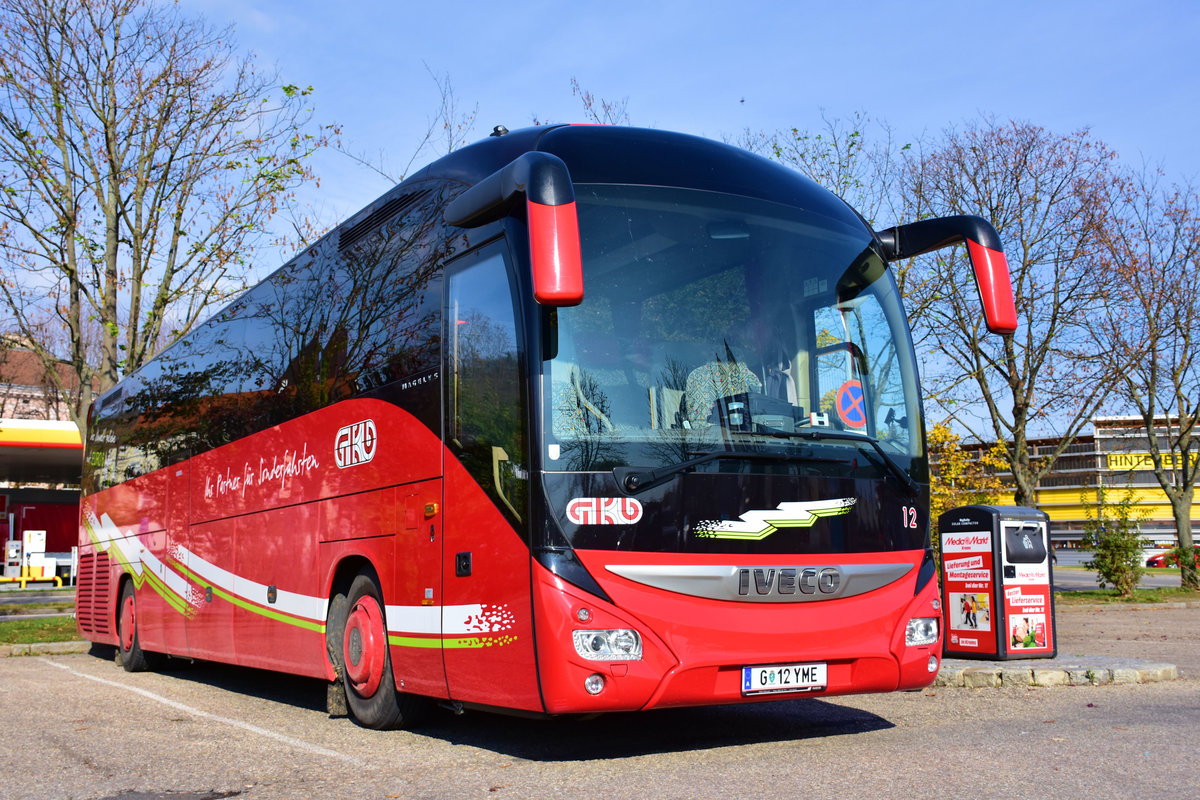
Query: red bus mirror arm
point(549, 195)
point(984, 249)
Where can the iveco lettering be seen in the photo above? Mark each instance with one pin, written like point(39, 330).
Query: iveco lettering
point(576, 419)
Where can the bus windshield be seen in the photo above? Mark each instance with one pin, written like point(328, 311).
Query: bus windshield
point(717, 323)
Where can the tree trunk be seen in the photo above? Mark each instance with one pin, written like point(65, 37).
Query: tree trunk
point(1181, 508)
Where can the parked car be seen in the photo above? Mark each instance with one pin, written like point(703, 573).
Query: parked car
point(1170, 558)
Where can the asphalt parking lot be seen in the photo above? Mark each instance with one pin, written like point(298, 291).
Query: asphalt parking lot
point(80, 727)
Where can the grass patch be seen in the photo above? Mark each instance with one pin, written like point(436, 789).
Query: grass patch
point(57, 605)
point(1091, 597)
point(31, 631)
point(35, 587)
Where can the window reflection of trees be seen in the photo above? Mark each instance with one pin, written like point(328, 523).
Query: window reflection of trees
point(595, 442)
point(486, 376)
point(673, 443)
point(341, 319)
point(488, 411)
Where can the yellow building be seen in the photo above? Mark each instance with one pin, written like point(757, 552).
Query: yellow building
point(1116, 456)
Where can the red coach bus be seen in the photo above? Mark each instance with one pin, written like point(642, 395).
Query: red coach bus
point(576, 419)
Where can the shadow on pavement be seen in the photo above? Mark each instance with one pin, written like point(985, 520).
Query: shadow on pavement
point(566, 738)
point(650, 732)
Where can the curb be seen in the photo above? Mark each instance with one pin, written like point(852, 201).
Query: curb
point(1079, 671)
point(45, 648)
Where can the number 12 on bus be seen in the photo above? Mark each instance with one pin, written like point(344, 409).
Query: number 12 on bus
point(575, 419)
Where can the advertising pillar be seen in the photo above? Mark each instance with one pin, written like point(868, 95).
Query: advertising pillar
point(997, 583)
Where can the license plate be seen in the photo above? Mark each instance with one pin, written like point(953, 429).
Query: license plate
point(783, 678)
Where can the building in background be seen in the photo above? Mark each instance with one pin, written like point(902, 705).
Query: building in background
point(1116, 455)
point(41, 453)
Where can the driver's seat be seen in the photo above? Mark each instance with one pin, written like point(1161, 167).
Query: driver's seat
point(716, 379)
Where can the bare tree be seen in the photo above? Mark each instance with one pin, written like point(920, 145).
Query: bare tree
point(1149, 328)
point(1044, 193)
point(447, 130)
point(860, 161)
point(599, 110)
point(855, 158)
point(142, 160)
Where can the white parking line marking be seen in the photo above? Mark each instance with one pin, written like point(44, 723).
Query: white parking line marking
point(299, 744)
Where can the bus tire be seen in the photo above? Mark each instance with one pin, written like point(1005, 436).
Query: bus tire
point(365, 657)
point(129, 648)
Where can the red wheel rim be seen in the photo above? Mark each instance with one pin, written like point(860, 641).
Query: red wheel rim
point(127, 623)
point(364, 647)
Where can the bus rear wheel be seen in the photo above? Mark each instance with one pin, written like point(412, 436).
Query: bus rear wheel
point(370, 686)
point(133, 658)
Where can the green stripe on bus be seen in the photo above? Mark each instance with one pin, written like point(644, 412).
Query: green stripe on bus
point(456, 643)
point(279, 616)
point(412, 641)
point(162, 590)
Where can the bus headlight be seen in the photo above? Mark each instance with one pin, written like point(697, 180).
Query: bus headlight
point(620, 644)
point(921, 631)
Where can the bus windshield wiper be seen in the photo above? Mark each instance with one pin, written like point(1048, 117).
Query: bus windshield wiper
point(636, 479)
point(889, 463)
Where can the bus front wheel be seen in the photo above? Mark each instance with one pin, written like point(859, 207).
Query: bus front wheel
point(370, 687)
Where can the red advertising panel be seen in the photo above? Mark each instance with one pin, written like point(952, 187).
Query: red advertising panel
point(969, 573)
point(1026, 593)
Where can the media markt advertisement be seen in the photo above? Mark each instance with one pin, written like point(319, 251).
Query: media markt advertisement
point(997, 583)
point(968, 573)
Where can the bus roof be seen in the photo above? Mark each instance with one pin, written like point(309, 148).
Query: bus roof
point(639, 156)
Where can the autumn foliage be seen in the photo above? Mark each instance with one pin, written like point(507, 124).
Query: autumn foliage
point(961, 477)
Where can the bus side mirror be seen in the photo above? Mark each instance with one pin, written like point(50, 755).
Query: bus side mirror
point(549, 194)
point(984, 249)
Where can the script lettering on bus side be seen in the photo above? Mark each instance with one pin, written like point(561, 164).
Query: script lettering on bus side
point(282, 467)
point(290, 465)
point(228, 483)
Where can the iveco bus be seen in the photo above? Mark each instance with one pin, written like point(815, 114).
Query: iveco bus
point(576, 419)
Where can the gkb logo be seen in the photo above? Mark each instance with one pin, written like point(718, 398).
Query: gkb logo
point(355, 444)
point(604, 511)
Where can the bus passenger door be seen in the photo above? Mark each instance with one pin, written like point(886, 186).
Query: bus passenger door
point(487, 627)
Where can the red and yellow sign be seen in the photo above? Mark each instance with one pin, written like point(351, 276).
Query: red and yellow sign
point(39, 433)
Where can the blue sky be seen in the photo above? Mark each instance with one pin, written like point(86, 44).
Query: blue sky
point(1128, 71)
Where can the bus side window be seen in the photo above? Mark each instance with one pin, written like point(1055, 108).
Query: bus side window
point(487, 407)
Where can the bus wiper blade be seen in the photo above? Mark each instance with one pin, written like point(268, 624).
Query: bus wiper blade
point(637, 479)
point(889, 462)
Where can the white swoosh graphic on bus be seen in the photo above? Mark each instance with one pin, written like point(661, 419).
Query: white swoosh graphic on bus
point(465, 620)
point(758, 524)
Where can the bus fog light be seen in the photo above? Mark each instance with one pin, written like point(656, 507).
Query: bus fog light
point(594, 684)
point(620, 644)
point(933, 665)
point(921, 631)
